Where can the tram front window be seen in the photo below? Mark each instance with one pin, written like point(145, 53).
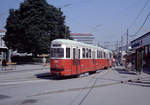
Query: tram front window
point(57, 52)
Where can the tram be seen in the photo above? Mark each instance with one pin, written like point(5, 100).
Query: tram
point(70, 58)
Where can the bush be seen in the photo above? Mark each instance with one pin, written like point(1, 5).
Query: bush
point(27, 59)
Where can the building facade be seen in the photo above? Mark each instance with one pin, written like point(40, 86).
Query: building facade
point(2, 33)
point(85, 38)
point(141, 49)
point(3, 48)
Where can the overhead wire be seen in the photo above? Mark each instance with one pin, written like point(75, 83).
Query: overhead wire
point(140, 12)
point(147, 16)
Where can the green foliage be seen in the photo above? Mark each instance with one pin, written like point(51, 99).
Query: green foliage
point(33, 26)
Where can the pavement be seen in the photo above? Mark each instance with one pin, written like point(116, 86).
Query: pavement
point(132, 75)
point(24, 67)
point(106, 87)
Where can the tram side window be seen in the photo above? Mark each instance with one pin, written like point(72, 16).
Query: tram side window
point(83, 52)
point(104, 55)
point(89, 53)
point(86, 52)
point(79, 53)
point(100, 54)
point(93, 55)
point(67, 52)
point(110, 55)
point(74, 53)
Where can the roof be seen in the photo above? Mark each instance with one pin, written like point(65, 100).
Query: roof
point(76, 43)
point(145, 35)
point(81, 34)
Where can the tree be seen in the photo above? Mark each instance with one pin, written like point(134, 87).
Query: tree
point(33, 26)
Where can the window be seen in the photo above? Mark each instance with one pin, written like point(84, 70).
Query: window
point(56, 45)
point(74, 53)
point(83, 52)
point(57, 52)
point(86, 52)
point(104, 55)
point(79, 53)
point(110, 55)
point(107, 56)
point(67, 52)
point(89, 53)
point(93, 54)
point(100, 54)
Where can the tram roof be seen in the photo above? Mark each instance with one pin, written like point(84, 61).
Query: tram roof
point(76, 43)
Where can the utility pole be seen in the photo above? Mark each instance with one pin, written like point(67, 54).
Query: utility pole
point(98, 44)
point(121, 43)
point(121, 49)
point(127, 41)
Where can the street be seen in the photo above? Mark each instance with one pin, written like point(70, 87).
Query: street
point(106, 87)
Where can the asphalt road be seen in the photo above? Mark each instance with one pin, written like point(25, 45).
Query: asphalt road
point(106, 87)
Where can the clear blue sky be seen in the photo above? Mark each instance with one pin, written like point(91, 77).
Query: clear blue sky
point(107, 20)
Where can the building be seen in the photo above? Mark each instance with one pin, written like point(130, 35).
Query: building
point(2, 33)
point(141, 51)
point(85, 38)
point(3, 48)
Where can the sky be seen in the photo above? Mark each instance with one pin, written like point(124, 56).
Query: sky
point(107, 20)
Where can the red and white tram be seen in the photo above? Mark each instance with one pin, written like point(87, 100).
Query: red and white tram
point(70, 57)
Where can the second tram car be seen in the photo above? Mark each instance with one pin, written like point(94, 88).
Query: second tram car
point(70, 57)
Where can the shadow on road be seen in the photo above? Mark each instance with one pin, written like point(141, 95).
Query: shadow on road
point(50, 77)
point(146, 70)
point(142, 83)
point(44, 76)
point(124, 71)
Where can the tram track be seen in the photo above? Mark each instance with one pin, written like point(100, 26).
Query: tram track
point(89, 88)
point(80, 88)
point(75, 89)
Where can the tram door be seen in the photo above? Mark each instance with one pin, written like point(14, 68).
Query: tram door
point(76, 61)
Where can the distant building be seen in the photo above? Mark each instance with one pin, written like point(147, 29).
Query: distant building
point(85, 38)
point(2, 33)
point(3, 48)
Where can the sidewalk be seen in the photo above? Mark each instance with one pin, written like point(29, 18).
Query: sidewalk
point(25, 67)
point(132, 75)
